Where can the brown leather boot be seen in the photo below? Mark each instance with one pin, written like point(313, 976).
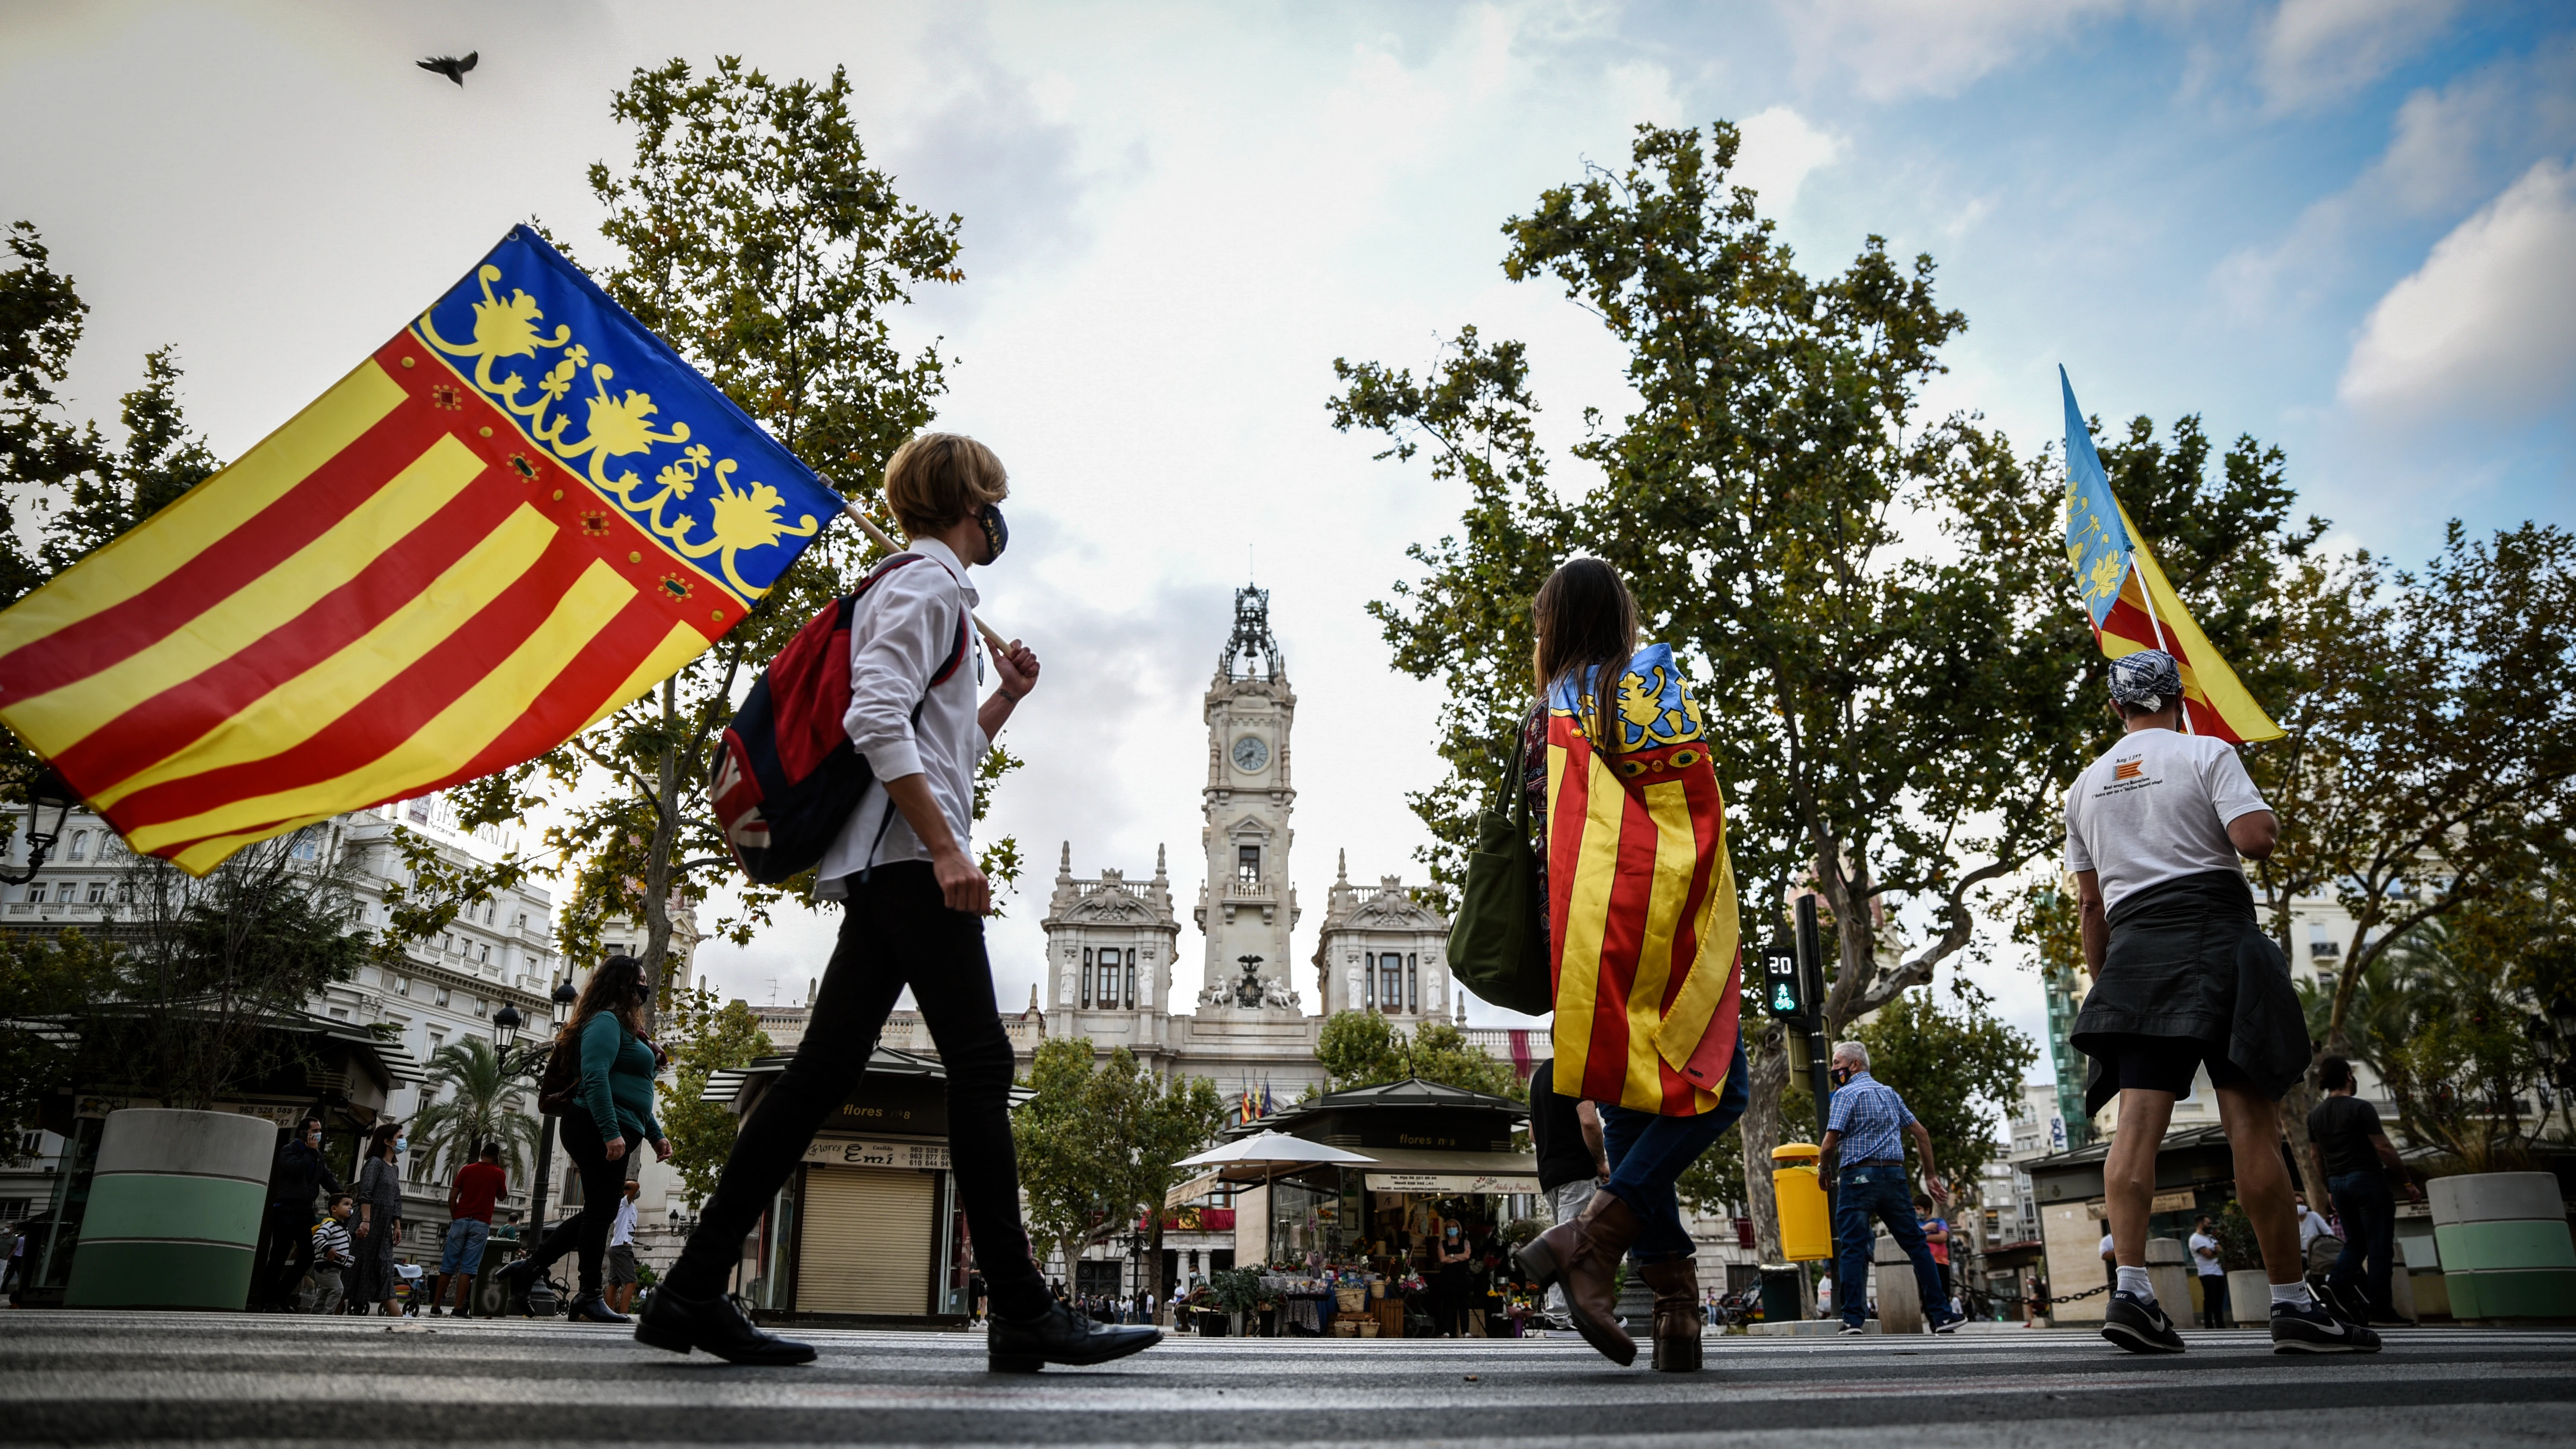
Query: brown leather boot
point(1678, 1322)
point(1584, 1256)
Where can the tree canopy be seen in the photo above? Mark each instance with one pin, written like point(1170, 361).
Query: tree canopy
point(1098, 1143)
point(1361, 1048)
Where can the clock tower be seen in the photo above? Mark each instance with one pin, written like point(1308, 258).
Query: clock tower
point(1248, 907)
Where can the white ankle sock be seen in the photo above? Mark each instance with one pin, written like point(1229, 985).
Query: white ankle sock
point(2133, 1281)
point(2294, 1294)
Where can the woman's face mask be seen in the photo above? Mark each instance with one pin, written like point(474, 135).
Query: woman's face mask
point(402, 1144)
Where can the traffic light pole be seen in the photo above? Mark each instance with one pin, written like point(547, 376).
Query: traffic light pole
point(1811, 978)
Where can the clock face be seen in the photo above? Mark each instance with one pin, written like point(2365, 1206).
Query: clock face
point(1251, 753)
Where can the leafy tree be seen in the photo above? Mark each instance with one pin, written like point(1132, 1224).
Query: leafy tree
point(41, 981)
point(1360, 1048)
point(1894, 717)
point(704, 1039)
point(215, 970)
point(752, 234)
point(2431, 752)
point(470, 1103)
point(1098, 1143)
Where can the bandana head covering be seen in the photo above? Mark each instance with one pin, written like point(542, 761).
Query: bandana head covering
point(2149, 679)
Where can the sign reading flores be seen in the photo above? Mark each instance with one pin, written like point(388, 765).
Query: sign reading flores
point(515, 517)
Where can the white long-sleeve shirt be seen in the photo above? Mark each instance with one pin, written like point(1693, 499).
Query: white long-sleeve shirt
point(903, 630)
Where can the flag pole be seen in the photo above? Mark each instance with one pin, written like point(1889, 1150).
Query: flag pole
point(868, 526)
point(2148, 597)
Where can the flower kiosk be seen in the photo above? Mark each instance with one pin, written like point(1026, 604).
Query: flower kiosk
point(869, 1229)
point(1350, 1246)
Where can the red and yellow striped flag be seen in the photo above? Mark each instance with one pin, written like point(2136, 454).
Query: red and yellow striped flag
point(1641, 898)
point(448, 564)
point(2131, 604)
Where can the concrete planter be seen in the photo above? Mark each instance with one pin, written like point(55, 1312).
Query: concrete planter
point(2506, 1251)
point(2249, 1297)
point(174, 1210)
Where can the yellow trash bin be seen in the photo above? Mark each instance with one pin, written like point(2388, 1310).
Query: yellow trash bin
point(1806, 1227)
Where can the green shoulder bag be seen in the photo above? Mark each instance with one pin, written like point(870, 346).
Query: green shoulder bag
point(1496, 948)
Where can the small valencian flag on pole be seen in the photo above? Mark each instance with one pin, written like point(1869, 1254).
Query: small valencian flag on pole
point(2132, 605)
point(521, 513)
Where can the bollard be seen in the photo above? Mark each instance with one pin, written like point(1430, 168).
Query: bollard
point(2169, 1272)
point(174, 1210)
point(1900, 1299)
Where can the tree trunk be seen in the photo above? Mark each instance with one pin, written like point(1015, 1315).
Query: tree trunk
point(657, 862)
point(1767, 1066)
point(2295, 1106)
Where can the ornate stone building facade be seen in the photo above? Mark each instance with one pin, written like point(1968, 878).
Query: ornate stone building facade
point(1381, 950)
point(1113, 944)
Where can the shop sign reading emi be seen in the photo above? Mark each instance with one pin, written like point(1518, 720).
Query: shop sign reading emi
point(848, 1152)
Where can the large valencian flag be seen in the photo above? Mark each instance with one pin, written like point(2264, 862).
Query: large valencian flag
point(1641, 896)
point(2131, 604)
point(519, 514)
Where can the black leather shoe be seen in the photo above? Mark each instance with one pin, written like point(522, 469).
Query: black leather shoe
point(595, 1309)
point(1015, 1346)
point(714, 1324)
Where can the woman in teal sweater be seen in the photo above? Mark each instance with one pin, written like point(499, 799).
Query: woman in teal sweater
point(611, 1113)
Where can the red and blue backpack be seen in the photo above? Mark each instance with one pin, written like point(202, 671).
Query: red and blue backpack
point(786, 777)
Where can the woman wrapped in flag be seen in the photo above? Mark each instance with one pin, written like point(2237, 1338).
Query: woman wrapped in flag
point(1640, 914)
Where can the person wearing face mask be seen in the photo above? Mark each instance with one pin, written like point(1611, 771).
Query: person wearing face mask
point(299, 1174)
point(913, 903)
point(1863, 1155)
point(1449, 1284)
point(611, 1115)
point(379, 1227)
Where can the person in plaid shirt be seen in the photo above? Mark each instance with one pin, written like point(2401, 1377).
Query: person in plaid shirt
point(1863, 1144)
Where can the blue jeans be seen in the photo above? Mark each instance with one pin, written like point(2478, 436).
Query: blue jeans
point(1648, 1154)
point(2369, 1213)
point(463, 1250)
point(1880, 1192)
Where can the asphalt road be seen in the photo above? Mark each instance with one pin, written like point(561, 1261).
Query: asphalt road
point(99, 1378)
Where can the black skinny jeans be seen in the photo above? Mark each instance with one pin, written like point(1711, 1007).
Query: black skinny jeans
point(895, 932)
point(603, 1187)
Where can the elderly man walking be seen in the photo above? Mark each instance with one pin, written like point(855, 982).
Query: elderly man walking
point(1864, 1156)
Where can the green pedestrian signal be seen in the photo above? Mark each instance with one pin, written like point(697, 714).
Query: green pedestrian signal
point(1782, 993)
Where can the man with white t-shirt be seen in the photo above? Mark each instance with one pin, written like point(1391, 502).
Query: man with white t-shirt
point(2185, 979)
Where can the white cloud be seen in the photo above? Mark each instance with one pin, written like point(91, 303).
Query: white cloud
point(1780, 148)
point(1899, 48)
point(2487, 326)
point(2315, 51)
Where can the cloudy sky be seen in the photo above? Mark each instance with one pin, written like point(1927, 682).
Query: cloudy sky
point(2345, 226)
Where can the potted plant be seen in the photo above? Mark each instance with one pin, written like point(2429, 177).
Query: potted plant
point(2249, 1287)
point(1237, 1291)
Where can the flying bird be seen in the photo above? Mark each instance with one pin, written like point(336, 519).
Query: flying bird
point(450, 67)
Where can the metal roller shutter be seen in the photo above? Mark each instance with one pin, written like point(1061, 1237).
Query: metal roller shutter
point(866, 1241)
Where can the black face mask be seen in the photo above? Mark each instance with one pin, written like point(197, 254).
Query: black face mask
point(997, 534)
point(1841, 1076)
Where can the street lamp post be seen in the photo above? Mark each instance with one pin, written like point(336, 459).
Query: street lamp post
point(45, 790)
point(530, 1061)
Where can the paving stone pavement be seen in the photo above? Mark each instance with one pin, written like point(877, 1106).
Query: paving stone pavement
point(117, 1378)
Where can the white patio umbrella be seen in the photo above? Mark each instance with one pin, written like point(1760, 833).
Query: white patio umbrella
point(1260, 1157)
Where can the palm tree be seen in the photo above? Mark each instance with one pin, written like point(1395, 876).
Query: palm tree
point(484, 1107)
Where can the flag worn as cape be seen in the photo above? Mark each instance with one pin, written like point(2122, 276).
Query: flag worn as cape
point(1641, 897)
point(2132, 605)
point(519, 514)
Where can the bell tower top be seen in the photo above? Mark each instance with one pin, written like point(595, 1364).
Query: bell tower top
point(1248, 906)
point(1251, 636)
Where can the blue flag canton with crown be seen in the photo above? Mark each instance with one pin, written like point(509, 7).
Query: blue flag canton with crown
point(2097, 541)
point(604, 398)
